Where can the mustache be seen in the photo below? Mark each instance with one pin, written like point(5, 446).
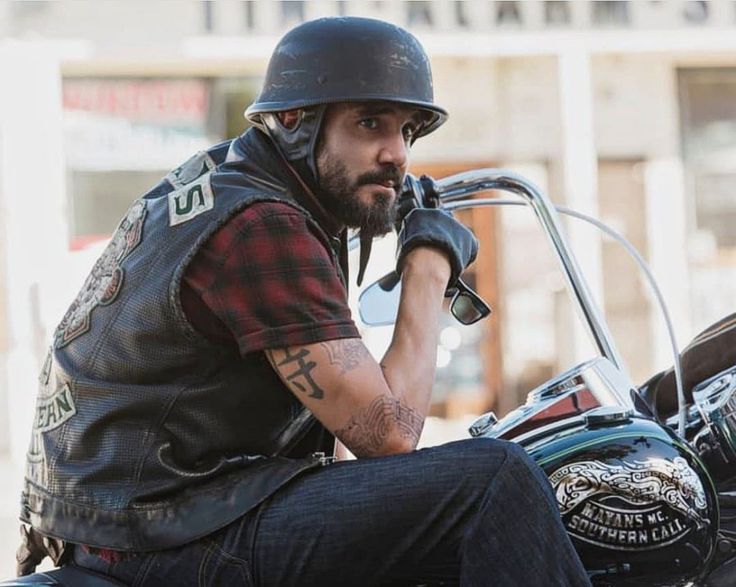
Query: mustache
point(389, 173)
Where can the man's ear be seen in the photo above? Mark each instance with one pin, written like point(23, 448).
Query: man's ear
point(289, 119)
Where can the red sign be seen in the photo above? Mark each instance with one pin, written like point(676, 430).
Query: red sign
point(158, 101)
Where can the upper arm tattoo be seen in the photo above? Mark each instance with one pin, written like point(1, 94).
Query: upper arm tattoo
point(346, 353)
point(296, 369)
point(366, 432)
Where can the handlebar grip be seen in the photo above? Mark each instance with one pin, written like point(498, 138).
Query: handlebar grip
point(423, 192)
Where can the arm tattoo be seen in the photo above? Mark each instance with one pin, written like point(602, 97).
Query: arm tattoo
point(346, 353)
point(301, 375)
point(366, 432)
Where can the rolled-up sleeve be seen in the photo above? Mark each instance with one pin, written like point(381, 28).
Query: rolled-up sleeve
point(270, 277)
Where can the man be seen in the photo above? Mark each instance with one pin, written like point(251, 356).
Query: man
point(195, 385)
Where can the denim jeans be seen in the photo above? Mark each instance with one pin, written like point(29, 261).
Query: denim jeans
point(476, 513)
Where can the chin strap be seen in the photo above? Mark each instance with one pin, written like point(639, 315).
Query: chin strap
point(366, 239)
point(366, 244)
point(332, 226)
point(296, 148)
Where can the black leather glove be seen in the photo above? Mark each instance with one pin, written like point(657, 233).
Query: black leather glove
point(436, 227)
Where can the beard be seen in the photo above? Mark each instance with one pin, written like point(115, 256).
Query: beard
point(339, 196)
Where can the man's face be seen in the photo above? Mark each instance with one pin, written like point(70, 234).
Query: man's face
point(362, 158)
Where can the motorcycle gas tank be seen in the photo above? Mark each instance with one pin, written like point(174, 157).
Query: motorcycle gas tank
point(636, 501)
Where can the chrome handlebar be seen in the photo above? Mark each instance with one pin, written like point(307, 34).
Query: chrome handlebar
point(463, 185)
point(466, 184)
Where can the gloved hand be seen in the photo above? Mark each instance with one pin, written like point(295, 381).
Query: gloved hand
point(34, 547)
point(437, 228)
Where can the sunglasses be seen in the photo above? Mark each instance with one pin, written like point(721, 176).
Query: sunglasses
point(466, 305)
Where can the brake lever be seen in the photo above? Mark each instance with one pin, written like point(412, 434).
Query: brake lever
point(417, 193)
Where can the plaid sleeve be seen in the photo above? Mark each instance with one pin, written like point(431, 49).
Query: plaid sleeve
point(273, 281)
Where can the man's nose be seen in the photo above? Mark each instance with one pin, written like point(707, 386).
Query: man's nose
point(394, 150)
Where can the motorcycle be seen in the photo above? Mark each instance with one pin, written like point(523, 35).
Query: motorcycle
point(647, 499)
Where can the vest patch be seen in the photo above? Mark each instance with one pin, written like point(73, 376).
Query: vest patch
point(106, 278)
point(191, 169)
point(53, 411)
point(190, 201)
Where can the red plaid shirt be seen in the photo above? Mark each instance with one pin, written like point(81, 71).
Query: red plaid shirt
point(267, 279)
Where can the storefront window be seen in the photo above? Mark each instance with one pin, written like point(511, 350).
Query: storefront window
point(123, 134)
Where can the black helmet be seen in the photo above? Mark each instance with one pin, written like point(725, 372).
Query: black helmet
point(333, 60)
point(347, 59)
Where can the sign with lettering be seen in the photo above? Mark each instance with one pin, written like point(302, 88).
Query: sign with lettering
point(183, 102)
point(510, 15)
point(632, 506)
point(134, 124)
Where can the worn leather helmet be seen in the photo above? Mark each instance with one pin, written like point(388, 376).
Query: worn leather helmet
point(331, 60)
point(347, 59)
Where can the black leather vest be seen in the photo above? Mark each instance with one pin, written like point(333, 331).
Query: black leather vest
point(146, 435)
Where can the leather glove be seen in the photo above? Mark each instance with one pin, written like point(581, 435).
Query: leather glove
point(34, 547)
point(436, 227)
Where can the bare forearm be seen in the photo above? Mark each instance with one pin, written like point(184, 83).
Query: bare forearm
point(409, 363)
point(380, 410)
point(375, 410)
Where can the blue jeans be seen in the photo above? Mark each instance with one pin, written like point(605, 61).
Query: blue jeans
point(475, 513)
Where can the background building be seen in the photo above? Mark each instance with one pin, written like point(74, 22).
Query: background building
point(624, 110)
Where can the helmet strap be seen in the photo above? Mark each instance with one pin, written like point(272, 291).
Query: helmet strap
point(329, 223)
point(298, 144)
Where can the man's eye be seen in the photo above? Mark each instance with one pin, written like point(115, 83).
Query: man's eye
point(370, 123)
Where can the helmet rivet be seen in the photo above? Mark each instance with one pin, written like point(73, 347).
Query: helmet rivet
point(322, 79)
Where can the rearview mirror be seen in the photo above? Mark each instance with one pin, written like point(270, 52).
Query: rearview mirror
point(378, 304)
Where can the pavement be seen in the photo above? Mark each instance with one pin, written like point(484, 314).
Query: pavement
point(436, 431)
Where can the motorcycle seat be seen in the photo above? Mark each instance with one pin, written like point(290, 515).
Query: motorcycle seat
point(69, 576)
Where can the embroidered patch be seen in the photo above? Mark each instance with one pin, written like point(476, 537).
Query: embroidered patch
point(51, 412)
point(45, 374)
point(191, 169)
point(190, 201)
point(106, 278)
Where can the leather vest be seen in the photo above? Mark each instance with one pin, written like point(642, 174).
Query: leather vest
point(146, 435)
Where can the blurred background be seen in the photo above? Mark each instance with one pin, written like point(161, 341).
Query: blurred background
point(625, 110)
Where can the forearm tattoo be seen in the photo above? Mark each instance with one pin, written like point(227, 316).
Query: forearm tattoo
point(296, 370)
point(366, 432)
point(345, 353)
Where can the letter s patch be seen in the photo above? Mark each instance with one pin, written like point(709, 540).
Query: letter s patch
point(191, 200)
